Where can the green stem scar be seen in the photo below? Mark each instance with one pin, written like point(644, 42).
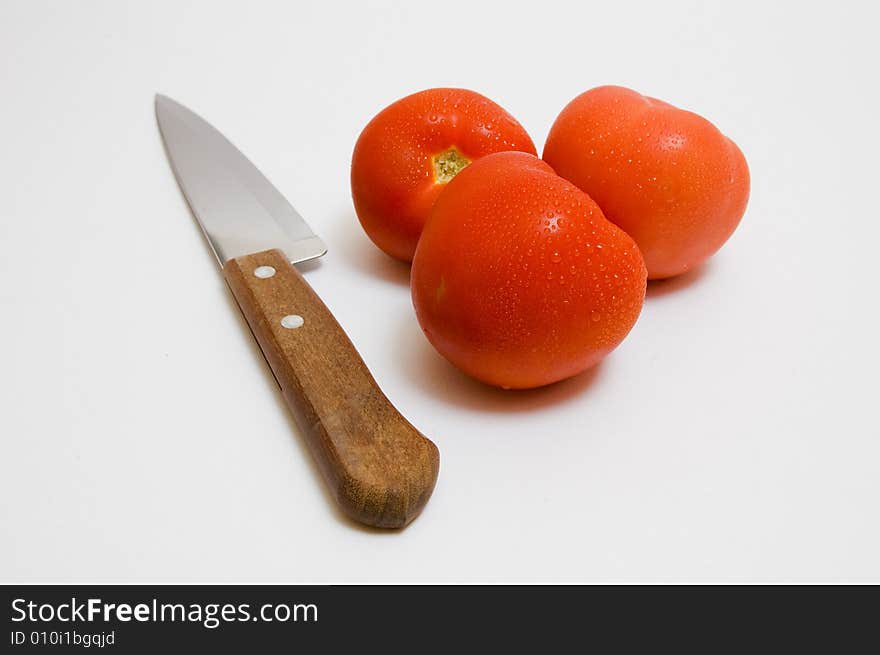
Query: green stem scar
point(448, 164)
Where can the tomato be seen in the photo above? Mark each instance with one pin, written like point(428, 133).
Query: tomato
point(518, 279)
point(409, 152)
point(668, 177)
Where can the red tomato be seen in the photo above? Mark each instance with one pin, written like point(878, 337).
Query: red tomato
point(667, 176)
point(412, 148)
point(518, 279)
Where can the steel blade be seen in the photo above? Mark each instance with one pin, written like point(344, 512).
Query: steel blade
point(238, 209)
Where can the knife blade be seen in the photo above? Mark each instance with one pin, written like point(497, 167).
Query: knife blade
point(379, 468)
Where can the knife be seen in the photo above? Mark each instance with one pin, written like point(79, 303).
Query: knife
point(379, 468)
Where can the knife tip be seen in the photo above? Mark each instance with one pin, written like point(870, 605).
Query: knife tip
point(162, 105)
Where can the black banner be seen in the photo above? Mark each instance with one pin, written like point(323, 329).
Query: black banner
point(147, 619)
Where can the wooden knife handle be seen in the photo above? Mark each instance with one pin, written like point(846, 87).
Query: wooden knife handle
point(380, 469)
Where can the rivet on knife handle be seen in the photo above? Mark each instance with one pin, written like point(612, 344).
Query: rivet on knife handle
point(380, 469)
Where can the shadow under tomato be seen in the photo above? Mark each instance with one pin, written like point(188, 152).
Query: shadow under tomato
point(660, 288)
point(430, 372)
point(361, 254)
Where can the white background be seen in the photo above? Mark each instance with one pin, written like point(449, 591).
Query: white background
point(732, 437)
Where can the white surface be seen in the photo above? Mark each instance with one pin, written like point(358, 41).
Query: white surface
point(732, 437)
